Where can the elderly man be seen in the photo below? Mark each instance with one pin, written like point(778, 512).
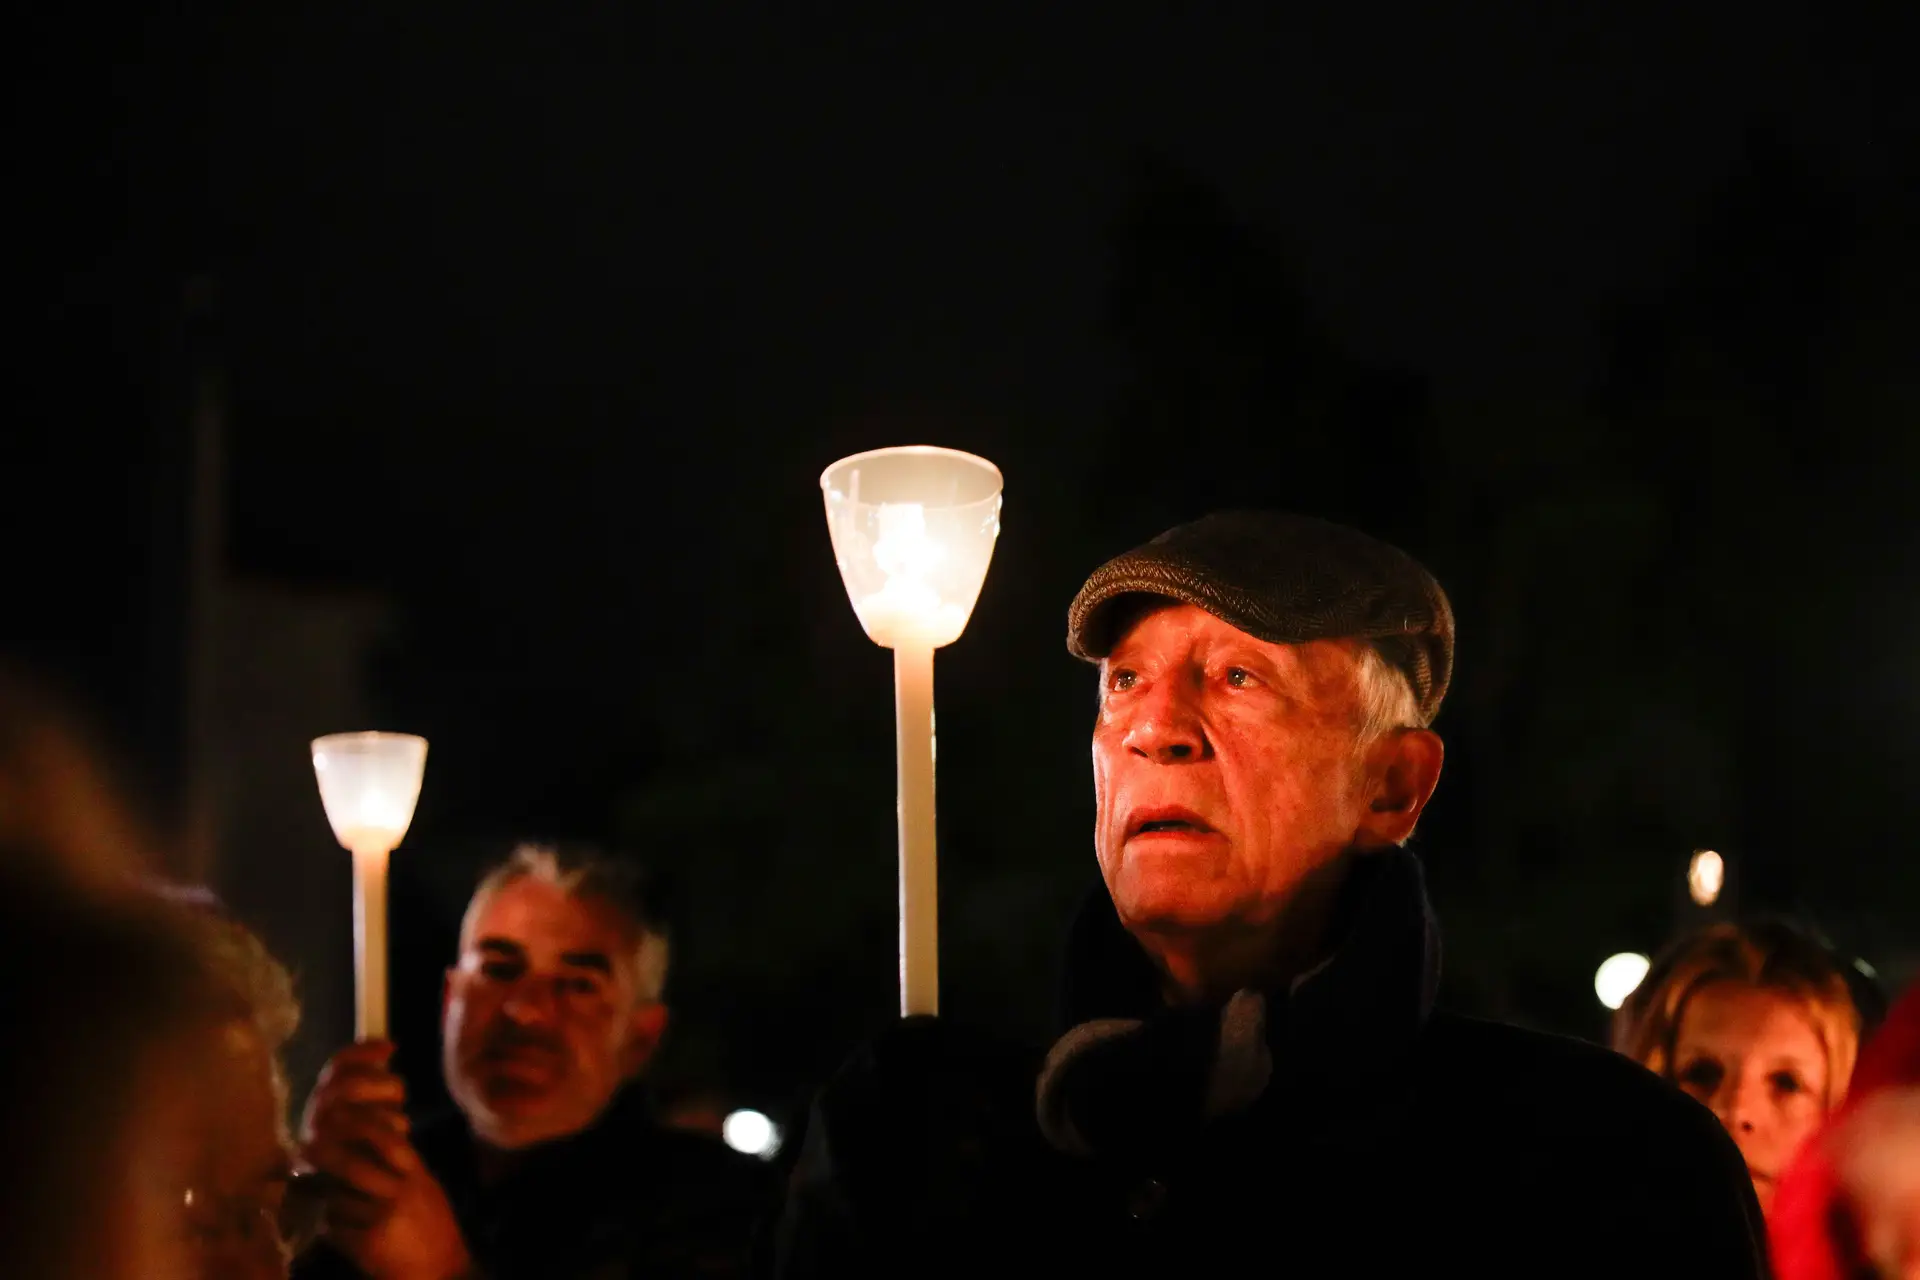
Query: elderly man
point(1252, 1078)
point(553, 1166)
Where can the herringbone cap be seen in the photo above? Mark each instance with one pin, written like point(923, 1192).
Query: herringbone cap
point(1287, 579)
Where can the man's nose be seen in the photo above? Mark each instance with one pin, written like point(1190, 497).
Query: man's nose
point(1167, 726)
point(531, 1002)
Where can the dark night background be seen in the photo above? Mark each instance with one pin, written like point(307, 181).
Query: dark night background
point(526, 336)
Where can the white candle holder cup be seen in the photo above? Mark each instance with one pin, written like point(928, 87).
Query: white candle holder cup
point(913, 532)
point(369, 783)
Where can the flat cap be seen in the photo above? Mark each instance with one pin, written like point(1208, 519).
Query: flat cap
point(1287, 579)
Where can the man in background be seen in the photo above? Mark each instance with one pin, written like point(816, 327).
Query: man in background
point(553, 1164)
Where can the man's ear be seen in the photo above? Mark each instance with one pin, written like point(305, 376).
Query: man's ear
point(645, 1025)
point(1403, 772)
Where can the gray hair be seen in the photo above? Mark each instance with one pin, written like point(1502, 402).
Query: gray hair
point(588, 873)
point(1387, 701)
point(255, 985)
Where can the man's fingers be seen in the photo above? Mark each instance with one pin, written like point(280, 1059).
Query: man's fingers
point(380, 1129)
point(348, 1123)
point(330, 1110)
point(372, 1162)
point(368, 1055)
point(357, 1076)
point(362, 1087)
point(355, 1174)
point(347, 1215)
point(359, 1067)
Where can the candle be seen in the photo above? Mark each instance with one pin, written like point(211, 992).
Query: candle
point(919, 864)
point(913, 530)
point(369, 783)
point(370, 943)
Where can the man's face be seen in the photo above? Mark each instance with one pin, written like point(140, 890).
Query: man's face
point(543, 1020)
point(1226, 770)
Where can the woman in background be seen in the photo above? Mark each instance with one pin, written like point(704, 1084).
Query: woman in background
point(1758, 1022)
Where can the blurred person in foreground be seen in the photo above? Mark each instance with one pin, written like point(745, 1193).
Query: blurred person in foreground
point(241, 1164)
point(1251, 1076)
point(61, 806)
point(1759, 1022)
point(552, 1165)
point(103, 1007)
point(142, 1120)
point(1849, 1205)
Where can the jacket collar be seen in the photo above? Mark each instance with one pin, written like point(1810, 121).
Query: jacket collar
point(1337, 1034)
point(573, 1175)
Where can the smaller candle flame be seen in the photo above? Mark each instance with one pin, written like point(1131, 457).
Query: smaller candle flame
point(1706, 876)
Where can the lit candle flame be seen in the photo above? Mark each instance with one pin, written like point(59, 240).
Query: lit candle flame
point(906, 605)
point(903, 549)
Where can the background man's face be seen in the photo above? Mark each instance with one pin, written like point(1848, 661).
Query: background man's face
point(1225, 769)
point(543, 1020)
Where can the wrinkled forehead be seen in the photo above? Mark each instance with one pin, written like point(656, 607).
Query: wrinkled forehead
point(1162, 630)
point(546, 922)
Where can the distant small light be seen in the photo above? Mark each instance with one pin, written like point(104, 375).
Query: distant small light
point(751, 1133)
point(1706, 876)
point(1618, 977)
point(1866, 970)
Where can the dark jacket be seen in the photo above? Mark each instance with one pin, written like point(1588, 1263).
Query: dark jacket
point(626, 1198)
point(1340, 1127)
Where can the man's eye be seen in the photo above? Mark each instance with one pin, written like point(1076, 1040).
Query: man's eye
point(1122, 680)
point(580, 987)
point(499, 971)
point(1787, 1082)
point(1239, 677)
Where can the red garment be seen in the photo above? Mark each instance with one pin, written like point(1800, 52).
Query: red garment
point(1813, 1230)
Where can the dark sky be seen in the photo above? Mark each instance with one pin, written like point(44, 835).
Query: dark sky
point(902, 206)
point(512, 303)
point(422, 220)
point(912, 199)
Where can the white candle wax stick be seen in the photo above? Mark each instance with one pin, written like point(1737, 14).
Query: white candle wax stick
point(919, 873)
point(370, 943)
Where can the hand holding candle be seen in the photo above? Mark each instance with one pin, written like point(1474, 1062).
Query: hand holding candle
point(369, 783)
point(913, 530)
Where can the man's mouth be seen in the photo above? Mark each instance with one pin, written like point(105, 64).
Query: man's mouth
point(521, 1054)
point(1166, 820)
point(521, 1072)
